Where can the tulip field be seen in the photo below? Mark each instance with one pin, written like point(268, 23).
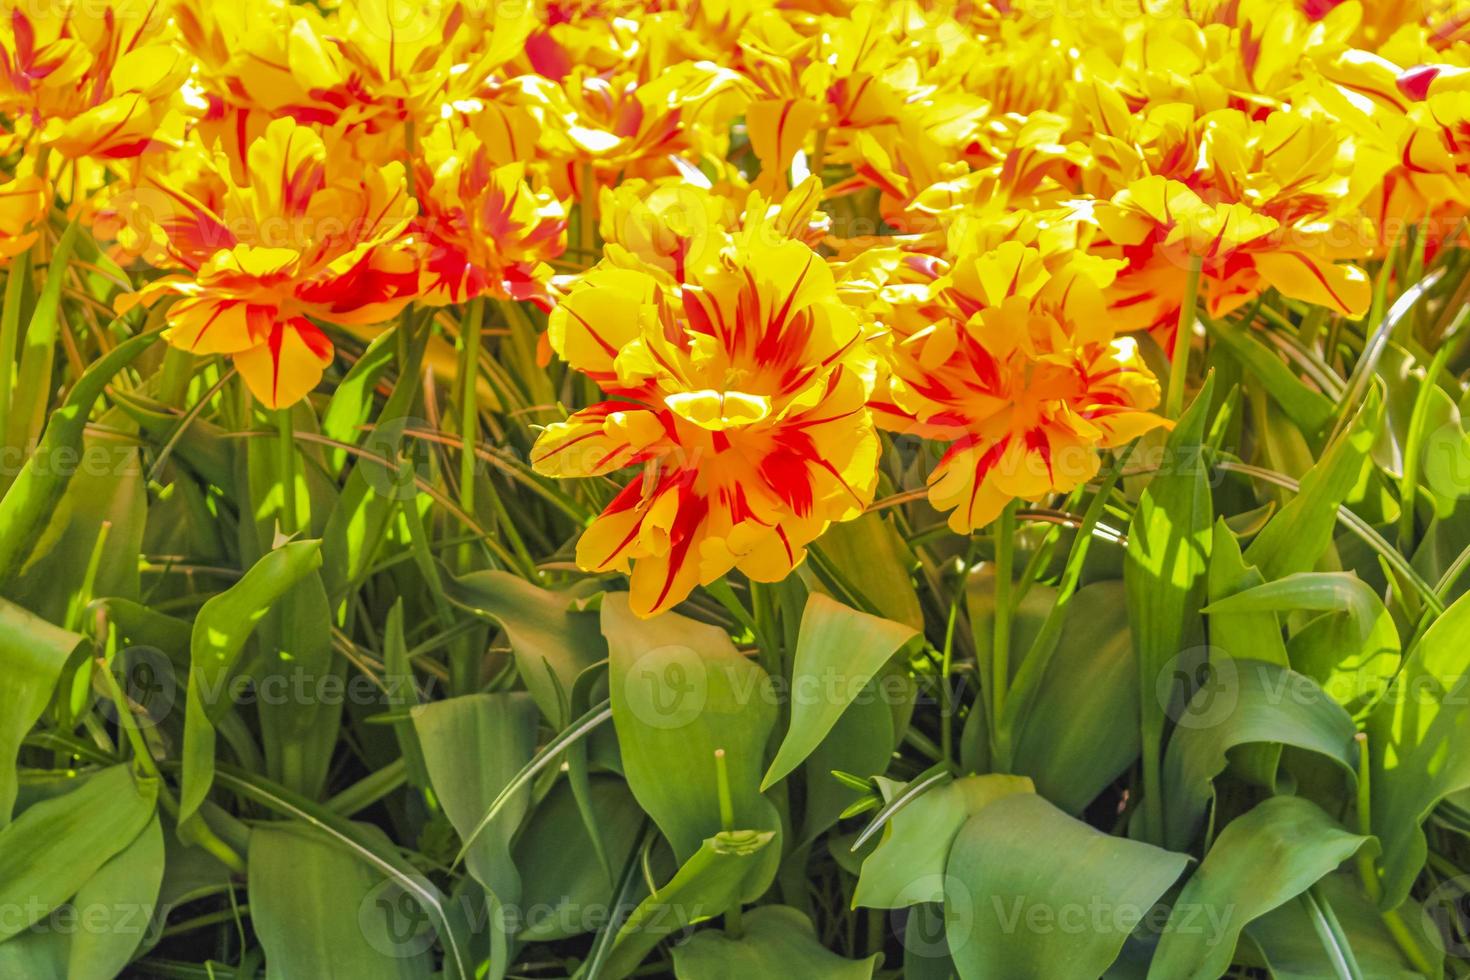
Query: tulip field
point(734, 489)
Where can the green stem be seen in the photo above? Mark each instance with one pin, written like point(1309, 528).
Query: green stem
point(1179, 365)
point(946, 663)
point(734, 924)
point(1366, 870)
point(287, 462)
point(1000, 669)
point(587, 221)
point(469, 415)
point(20, 272)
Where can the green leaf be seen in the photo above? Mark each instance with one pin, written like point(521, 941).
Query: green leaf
point(552, 642)
point(1080, 731)
point(473, 746)
point(1416, 740)
point(360, 519)
point(95, 934)
point(32, 655)
point(1291, 950)
point(58, 579)
point(714, 878)
point(1247, 702)
point(561, 889)
point(1309, 409)
point(1047, 895)
point(352, 400)
point(38, 348)
point(57, 845)
point(402, 693)
point(409, 889)
point(1239, 631)
point(861, 742)
point(871, 560)
point(680, 690)
point(1261, 859)
point(321, 913)
point(1301, 531)
point(25, 510)
point(907, 867)
point(837, 652)
point(117, 904)
point(1165, 572)
point(777, 941)
point(300, 679)
point(218, 638)
point(1352, 650)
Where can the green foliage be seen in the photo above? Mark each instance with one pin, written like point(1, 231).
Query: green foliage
point(316, 694)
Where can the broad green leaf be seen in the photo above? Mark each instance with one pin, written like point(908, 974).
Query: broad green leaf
point(777, 940)
point(837, 652)
point(57, 845)
point(552, 641)
point(107, 489)
point(35, 955)
point(1239, 631)
point(300, 684)
point(908, 865)
point(95, 934)
point(136, 624)
point(408, 901)
point(1081, 730)
point(1261, 859)
point(1247, 702)
point(1295, 539)
point(713, 879)
point(1048, 896)
point(27, 505)
point(1352, 650)
point(870, 559)
point(680, 691)
point(1416, 740)
point(220, 632)
point(1242, 633)
point(1291, 950)
point(562, 888)
point(321, 913)
point(1165, 572)
point(473, 745)
point(117, 904)
point(32, 655)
